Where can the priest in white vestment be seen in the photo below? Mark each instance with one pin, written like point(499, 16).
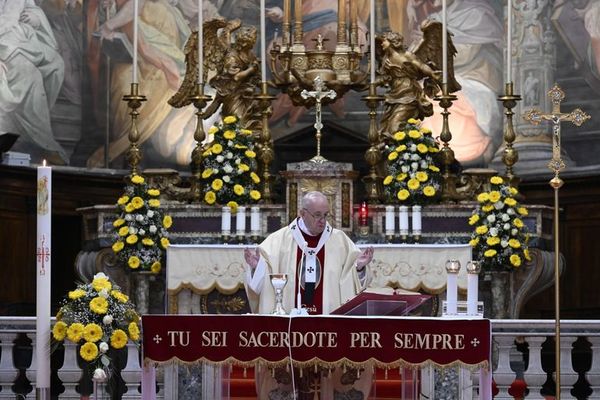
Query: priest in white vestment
point(332, 270)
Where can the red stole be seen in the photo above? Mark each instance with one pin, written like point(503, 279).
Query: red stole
point(316, 307)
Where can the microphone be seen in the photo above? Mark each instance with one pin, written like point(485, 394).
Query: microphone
point(299, 310)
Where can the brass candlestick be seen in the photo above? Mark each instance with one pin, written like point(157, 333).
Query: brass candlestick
point(134, 101)
point(199, 100)
point(510, 156)
point(266, 154)
point(373, 181)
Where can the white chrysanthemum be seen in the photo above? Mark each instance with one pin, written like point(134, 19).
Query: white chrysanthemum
point(215, 170)
point(237, 161)
point(107, 320)
point(103, 347)
point(103, 293)
point(491, 218)
point(152, 228)
point(99, 375)
point(226, 178)
point(414, 166)
point(513, 231)
point(499, 205)
point(406, 156)
point(505, 217)
point(493, 231)
point(424, 164)
point(228, 169)
point(100, 275)
point(504, 243)
point(220, 158)
point(404, 168)
point(229, 155)
point(133, 230)
point(142, 232)
point(128, 217)
point(139, 217)
point(150, 213)
point(510, 211)
point(415, 157)
point(506, 226)
point(230, 143)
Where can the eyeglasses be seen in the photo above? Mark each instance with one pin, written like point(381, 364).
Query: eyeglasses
point(318, 216)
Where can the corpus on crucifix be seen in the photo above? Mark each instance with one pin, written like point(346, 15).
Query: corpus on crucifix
point(318, 94)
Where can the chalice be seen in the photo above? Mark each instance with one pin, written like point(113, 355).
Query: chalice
point(278, 281)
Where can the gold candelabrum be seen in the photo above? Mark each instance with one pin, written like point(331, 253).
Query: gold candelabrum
point(556, 165)
point(134, 101)
point(373, 181)
point(510, 156)
point(199, 99)
point(266, 153)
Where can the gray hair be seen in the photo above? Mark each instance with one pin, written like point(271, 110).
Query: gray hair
point(310, 197)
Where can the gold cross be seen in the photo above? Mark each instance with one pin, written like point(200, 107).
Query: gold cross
point(577, 117)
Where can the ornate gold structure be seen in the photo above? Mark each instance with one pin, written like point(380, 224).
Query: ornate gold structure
point(134, 101)
point(373, 181)
point(199, 100)
point(510, 156)
point(556, 165)
point(319, 94)
point(266, 154)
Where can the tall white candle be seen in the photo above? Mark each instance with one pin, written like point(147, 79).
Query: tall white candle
point(134, 65)
point(226, 220)
point(473, 269)
point(509, 42)
point(403, 220)
point(255, 219)
point(390, 220)
point(240, 221)
point(43, 263)
point(444, 44)
point(452, 269)
point(200, 43)
point(416, 220)
point(372, 40)
point(263, 42)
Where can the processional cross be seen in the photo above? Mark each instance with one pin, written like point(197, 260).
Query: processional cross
point(577, 117)
point(318, 94)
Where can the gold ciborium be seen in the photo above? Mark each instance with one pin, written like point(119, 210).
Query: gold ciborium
point(278, 281)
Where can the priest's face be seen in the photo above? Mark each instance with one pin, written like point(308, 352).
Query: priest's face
point(315, 215)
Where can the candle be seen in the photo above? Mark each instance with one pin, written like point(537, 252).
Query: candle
point(255, 220)
point(200, 44)
point(444, 44)
point(226, 221)
point(263, 41)
point(473, 269)
point(240, 221)
point(135, 42)
point(509, 42)
point(43, 263)
point(452, 268)
point(372, 40)
point(285, 26)
point(416, 220)
point(363, 214)
point(403, 220)
point(390, 221)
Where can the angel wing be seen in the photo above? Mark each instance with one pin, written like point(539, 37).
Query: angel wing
point(429, 50)
point(216, 39)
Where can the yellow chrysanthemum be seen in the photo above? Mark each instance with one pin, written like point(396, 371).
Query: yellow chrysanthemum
point(230, 119)
point(388, 179)
point(210, 197)
point(400, 135)
point(414, 134)
point(474, 242)
point(481, 230)
point(514, 243)
point(156, 267)
point(243, 167)
point(509, 201)
point(515, 260)
point(92, 332)
point(412, 121)
point(99, 284)
point(238, 189)
point(513, 191)
point(255, 195)
point(496, 180)
point(129, 208)
point(118, 340)
point(207, 173)
point(421, 176)
point(492, 241)
point(229, 134)
point(206, 153)
point(147, 241)
point(425, 131)
point(403, 194)
point(99, 305)
point(76, 294)
point(401, 148)
point(433, 167)
point(137, 179)
point(123, 231)
point(154, 192)
point(473, 219)
point(413, 184)
point(119, 296)
point(392, 156)
point(429, 191)
point(75, 332)
point(250, 154)
point(133, 262)
point(518, 222)
point(522, 211)
point(401, 177)
point(494, 196)
point(483, 197)
point(217, 184)
point(123, 200)
point(134, 331)
point(155, 203)
point(255, 178)
point(527, 254)
point(246, 131)
point(490, 253)
point(118, 222)
point(233, 205)
point(59, 331)
point(433, 149)
point(212, 130)
point(132, 239)
point(239, 146)
point(421, 148)
point(89, 351)
point(487, 208)
point(167, 221)
point(216, 148)
point(164, 242)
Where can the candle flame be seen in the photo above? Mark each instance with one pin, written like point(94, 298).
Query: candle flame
point(44, 163)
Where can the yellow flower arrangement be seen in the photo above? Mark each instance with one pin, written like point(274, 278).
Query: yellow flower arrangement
point(139, 227)
point(499, 238)
point(229, 166)
point(97, 316)
point(412, 177)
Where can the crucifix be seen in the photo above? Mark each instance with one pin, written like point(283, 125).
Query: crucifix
point(577, 117)
point(318, 94)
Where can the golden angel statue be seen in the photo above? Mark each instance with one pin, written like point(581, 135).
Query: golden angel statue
point(237, 71)
point(412, 75)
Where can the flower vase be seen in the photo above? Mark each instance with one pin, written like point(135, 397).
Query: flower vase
point(501, 294)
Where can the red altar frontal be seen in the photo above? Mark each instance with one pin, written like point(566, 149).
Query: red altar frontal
point(310, 342)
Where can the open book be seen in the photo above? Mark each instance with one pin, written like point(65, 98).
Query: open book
point(382, 301)
point(119, 48)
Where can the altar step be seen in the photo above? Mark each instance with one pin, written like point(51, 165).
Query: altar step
point(242, 385)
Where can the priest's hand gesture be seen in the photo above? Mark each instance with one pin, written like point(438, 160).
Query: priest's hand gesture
point(364, 258)
point(251, 257)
